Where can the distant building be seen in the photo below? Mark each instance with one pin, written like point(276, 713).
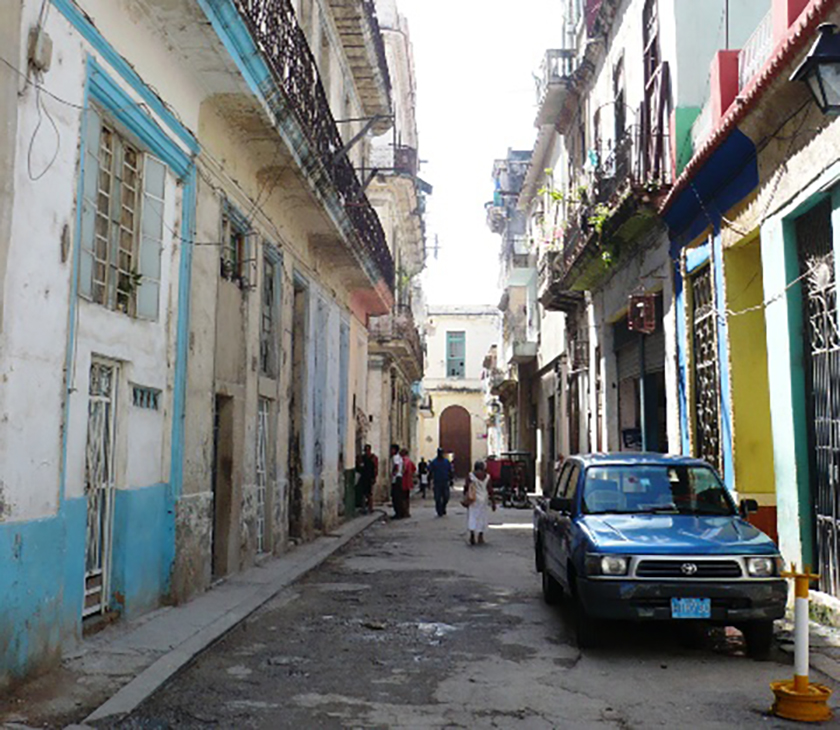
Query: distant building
point(453, 413)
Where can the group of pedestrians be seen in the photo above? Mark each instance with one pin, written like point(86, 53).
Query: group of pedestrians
point(402, 480)
point(440, 474)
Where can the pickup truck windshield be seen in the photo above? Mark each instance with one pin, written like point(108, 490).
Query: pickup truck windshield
point(655, 489)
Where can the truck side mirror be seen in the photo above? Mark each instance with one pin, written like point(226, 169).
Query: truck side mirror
point(748, 507)
point(560, 504)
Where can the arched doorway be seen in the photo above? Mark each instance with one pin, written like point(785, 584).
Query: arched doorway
point(456, 438)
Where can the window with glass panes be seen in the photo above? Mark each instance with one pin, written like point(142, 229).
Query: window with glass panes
point(456, 351)
point(123, 193)
point(234, 239)
point(268, 337)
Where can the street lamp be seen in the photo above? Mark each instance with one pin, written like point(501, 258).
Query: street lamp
point(821, 70)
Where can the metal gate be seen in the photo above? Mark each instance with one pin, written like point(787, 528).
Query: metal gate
point(706, 382)
point(99, 485)
point(262, 469)
point(816, 263)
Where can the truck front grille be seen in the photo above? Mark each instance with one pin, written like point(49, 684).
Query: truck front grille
point(688, 569)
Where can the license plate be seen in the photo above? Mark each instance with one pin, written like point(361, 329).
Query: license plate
point(691, 608)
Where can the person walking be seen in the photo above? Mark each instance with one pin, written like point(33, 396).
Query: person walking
point(478, 495)
point(407, 482)
point(366, 468)
point(440, 474)
point(423, 474)
point(396, 481)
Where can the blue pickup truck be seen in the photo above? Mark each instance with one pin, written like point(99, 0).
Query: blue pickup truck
point(655, 537)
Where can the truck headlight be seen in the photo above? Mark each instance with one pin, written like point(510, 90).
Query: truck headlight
point(762, 567)
point(607, 565)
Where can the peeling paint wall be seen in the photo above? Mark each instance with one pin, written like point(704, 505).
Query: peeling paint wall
point(166, 519)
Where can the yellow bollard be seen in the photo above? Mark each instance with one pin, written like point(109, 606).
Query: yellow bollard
point(799, 699)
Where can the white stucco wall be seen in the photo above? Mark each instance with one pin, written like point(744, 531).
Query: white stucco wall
point(481, 325)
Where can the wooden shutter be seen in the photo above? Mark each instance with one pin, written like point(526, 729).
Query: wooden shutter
point(151, 238)
point(90, 190)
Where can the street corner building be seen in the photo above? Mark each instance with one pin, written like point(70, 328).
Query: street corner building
point(196, 249)
point(668, 254)
point(452, 414)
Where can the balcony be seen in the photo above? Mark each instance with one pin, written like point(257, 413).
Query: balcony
point(518, 261)
point(756, 51)
point(554, 83)
point(503, 382)
point(297, 89)
point(397, 334)
point(358, 28)
point(553, 298)
point(604, 226)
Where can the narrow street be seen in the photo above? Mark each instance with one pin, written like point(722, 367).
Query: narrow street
point(408, 626)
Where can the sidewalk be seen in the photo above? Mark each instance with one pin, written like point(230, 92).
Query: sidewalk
point(824, 643)
point(128, 662)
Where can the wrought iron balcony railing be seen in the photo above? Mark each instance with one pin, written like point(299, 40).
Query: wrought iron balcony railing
point(558, 64)
point(399, 325)
point(755, 51)
point(275, 30)
point(636, 164)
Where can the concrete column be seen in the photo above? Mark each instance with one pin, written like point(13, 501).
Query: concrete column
point(786, 374)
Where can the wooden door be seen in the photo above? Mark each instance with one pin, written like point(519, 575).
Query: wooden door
point(456, 438)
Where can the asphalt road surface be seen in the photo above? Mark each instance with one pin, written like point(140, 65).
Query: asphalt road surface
point(409, 626)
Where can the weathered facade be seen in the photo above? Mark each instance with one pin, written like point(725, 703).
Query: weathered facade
point(396, 349)
point(682, 204)
point(452, 412)
point(204, 261)
point(752, 220)
point(513, 374)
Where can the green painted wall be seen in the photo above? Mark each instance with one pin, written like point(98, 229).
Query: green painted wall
point(752, 434)
point(684, 118)
point(786, 376)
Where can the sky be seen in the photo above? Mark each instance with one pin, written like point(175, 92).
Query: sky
point(475, 62)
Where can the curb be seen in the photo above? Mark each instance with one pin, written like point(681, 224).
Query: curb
point(147, 682)
point(822, 663)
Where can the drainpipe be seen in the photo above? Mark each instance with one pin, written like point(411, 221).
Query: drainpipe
point(642, 400)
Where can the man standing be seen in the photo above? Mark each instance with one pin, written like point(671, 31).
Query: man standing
point(367, 476)
point(440, 472)
point(396, 481)
point(408, 482)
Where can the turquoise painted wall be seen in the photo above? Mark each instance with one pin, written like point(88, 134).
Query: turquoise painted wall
point(140, 561)
point(41, 584)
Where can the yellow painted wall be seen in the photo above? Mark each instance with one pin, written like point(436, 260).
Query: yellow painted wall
point(428, 429)
point(753, 442)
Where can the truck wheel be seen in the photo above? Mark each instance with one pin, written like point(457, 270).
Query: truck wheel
point(539, 561)
point(759, 638)
point(552, 591)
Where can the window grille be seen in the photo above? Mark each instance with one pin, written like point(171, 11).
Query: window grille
point(705, 366)
point(267, 320)
point(263, 409)
point(234, 254)
point(122, 222)
point(143, 397)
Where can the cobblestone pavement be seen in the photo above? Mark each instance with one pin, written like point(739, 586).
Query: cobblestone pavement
point(408, 626)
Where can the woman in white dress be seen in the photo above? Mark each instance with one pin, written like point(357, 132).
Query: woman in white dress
point(479, 495)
